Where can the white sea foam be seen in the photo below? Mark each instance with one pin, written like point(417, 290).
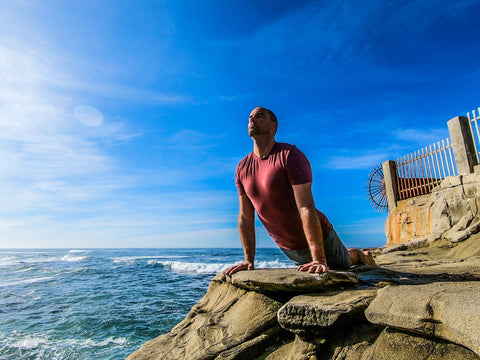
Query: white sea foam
point(186, 267)
point(133, 259)
point(72, 258)
point(209, 268)
point(34, 342)
point(26, 281)
point(9, 260)
point(28, 342)
point(79, 251)
point(275, 264)
point(13, 260)
point(87, 343)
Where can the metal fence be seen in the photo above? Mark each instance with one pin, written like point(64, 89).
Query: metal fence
point(474, 118)
point(419, 172)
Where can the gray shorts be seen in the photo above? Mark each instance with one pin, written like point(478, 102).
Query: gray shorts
point(335, 252)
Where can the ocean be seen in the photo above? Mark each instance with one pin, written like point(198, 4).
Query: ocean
point(102, 303)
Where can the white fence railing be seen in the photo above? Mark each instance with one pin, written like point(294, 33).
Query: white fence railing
point(474, 118)
point(419, 172)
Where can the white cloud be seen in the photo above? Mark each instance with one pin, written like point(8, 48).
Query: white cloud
point(178, 219)
point(88, 115)
point(356, 161)
point(52, 161)
point(188, 139)
point(422, 137)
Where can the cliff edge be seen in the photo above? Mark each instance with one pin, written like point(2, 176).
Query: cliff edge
point(422, 301)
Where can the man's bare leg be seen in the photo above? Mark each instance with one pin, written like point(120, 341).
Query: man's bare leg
point(359, 257)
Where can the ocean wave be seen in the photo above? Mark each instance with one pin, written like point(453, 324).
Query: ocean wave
point(26, 281)
point(211, 268)
point(79, 251)
point(73, 258)
point(14, 261)
point(133, 259)
point(29, 342)
point(274, 264)
point(92, 343)
point(9, 261)
point(186, 267)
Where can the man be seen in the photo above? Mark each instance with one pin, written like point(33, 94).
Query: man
point(275, 181)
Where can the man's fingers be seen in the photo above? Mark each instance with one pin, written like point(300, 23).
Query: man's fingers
point(313, 268)
point(232, 270)
point(239, 267)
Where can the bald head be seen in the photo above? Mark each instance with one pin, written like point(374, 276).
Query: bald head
point(263, 122)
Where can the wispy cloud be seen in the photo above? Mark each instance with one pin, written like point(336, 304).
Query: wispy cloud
point(55, 168)
point(421, 137)
point(188, 140)
point(348, 42)
point(41, 136)
point(60, 184)
point(356, 161)
point(149, 219)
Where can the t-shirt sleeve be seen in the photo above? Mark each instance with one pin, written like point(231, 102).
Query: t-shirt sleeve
point(298, 167)
point(241, 189)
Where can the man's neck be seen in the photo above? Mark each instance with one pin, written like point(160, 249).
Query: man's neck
point(263, 147)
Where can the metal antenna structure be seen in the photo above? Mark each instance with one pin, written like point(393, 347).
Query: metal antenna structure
point(376, 189)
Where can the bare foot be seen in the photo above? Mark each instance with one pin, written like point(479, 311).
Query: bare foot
point(366, 257)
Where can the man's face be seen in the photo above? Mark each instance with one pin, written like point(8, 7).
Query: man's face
point(259, 123)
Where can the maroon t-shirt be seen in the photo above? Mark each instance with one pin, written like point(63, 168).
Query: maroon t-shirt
point(268, 184)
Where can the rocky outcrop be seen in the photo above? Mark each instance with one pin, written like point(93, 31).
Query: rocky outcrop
point(238, 315)
point(445, 310)
point(226, 318)
point(421, 302)
point(451, 212)
point(316, 314)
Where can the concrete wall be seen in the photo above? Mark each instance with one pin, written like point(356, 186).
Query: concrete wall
point(451, 212)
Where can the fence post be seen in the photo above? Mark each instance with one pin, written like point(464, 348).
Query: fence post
point(463, 144)
point(390, 182)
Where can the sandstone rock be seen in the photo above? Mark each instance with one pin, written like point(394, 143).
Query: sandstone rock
point(451, 181)
point(288, 280)
point(314, 313)
point(295, 350)
point(451, 211)
point(224, 318)
point(351, 352)
point(441, 220)
point(253, 348)
point(395, 345)
point(339, 344)
point(448, 310)
point(464, 229)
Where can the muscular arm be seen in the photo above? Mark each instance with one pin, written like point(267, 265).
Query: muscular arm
point(311, 227)
point(246, 229)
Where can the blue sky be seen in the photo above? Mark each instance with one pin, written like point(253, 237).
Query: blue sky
point(122, 122)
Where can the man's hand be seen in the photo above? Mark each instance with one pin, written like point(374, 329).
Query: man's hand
point(246, 265)
point(313, 267)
